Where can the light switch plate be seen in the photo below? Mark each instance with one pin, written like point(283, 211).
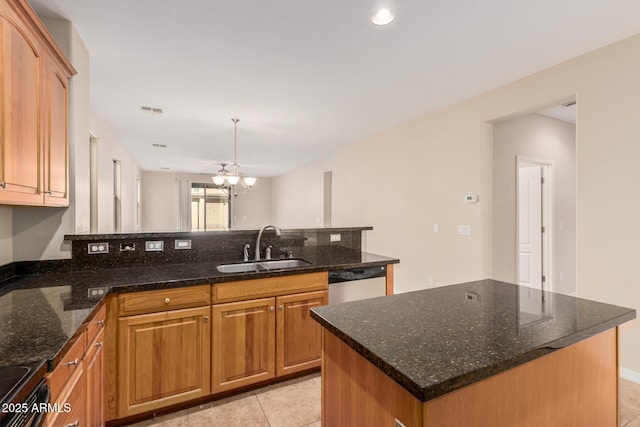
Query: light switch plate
point(183, 244)
point(464, 230)
point(154, 246)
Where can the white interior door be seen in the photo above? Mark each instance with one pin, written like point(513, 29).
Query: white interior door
point(530, 268)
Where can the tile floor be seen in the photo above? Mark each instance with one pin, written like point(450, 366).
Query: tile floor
point(293, 403)
point(296, 403)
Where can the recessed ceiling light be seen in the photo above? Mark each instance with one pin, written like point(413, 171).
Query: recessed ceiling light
point(382, 17)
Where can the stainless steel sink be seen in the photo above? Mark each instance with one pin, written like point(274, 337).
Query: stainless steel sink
point(248, 267)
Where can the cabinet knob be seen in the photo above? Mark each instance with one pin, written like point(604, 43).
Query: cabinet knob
point(272, 309)
point(99, 344)
point(206, 319)
point(3, 184)
point(72, 363)
point(73, 424)
point(48, 193)
point(100, 322)
point(280, 307)
point(167, 300)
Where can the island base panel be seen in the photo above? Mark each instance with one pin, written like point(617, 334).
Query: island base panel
point(356, 393)
point(573, 386)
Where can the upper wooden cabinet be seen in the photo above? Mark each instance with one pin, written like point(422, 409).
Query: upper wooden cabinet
point(34, 90)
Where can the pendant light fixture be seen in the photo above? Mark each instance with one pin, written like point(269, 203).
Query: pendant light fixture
point(230, 179)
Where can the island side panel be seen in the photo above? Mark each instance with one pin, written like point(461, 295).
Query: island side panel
point(575, 386)
point(355, 392)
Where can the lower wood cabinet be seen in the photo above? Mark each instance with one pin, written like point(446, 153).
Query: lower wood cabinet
point(163, 359)
point(298, 336)
point(164, 347)
point(243, 343)
point(72, 400)
point(260, 339)
point(76, 384)
point(94, 363)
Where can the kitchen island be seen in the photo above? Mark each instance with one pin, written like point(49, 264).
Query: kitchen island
point(483, 353)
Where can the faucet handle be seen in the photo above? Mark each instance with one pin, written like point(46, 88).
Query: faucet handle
point(268, 252)
point(246, 252)
point(286, 252)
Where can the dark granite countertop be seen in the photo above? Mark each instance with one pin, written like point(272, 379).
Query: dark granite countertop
point(438, 340)
point(41, 314)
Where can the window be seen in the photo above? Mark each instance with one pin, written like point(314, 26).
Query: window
point(210, 207)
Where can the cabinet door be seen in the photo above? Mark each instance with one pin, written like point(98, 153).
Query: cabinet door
point(56, 165)
point(163, 359)
point(94, 362)
point(72, 402)
point(299, 337)
point(20, 147)
point(243, 343)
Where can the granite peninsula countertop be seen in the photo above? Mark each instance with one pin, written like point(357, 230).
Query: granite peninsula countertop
point(41, 314)
point(438, 340)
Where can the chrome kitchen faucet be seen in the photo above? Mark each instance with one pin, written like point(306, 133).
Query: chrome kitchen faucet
point(276, 229)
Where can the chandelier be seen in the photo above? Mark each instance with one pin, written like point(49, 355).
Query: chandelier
point(232, 179)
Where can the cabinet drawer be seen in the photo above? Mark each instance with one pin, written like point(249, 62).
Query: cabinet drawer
point(96, 324)
point(270, 286)
point(66, 367)
point(163, 300)
point(72, 403)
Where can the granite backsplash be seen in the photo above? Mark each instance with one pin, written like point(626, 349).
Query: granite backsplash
point(205, 246)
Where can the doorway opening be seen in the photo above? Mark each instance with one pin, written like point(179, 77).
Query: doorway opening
point(540, 143)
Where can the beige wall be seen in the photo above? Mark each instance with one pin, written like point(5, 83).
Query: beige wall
point(160, 202)
point(6, 238)
point(38, 232)
point(108, 149)
point(298, 196)
point(404, 180)
point(535, 136)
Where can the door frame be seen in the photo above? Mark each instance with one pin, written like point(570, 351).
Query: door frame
point(547, 166)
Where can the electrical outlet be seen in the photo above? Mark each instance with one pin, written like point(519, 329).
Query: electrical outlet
point(154, 246)
point(335, 237)
point(98, 248)
point(97, 292)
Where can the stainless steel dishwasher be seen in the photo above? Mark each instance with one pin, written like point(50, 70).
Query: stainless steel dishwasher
point(357, 283)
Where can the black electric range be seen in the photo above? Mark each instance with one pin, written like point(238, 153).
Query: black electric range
point(21, 387)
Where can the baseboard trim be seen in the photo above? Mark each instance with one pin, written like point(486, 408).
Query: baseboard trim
point(630, 375)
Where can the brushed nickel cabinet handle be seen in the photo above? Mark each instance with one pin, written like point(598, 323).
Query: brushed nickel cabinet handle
point(99, 344)
point(72, 363)
point(272, 309)
point(206, 319)
point(48, 193)
point(100, 322)
point(167, 300)
point(280, 307)
point(3, 184)
point(73, 424)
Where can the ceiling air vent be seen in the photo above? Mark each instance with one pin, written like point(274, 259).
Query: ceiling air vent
point(156, 145)
point(151, 110)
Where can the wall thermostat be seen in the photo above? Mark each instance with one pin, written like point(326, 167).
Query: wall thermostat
point(471, 198)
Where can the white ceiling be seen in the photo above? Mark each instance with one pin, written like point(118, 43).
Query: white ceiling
point(306, 77)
